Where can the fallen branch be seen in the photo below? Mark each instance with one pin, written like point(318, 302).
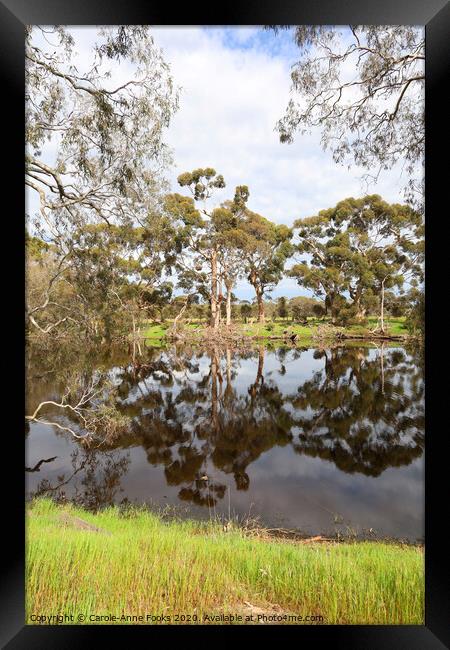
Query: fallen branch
point(37, 467)
point(371, 337)
point(78, 409)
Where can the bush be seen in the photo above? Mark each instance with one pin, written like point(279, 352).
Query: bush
point(318, 310)
point(246, 311)
point(303, 307)
point(300, 313)
point(348, 315)
point(415, 321)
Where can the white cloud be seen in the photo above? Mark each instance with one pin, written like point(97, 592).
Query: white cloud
point(230, 102)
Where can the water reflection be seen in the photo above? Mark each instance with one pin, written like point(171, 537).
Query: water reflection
point(204, 416)
point(364, 416)
point(101, 475)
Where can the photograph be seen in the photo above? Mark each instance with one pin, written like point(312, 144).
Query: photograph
point(225, 325)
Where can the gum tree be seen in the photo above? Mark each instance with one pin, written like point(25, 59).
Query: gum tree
point(94, 161)
point(94, 145)
point(372, 116)
point(360, 248)
point(197, 239)
point(264, 247)
point(226, 222)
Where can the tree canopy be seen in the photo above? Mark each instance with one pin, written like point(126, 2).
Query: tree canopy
point(360, 248)
point(264, 247)
point(107, 142)
point(364, 87)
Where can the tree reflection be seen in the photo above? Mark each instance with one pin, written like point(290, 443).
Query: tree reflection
point(94, 481)
point(363, 414)
point(195, 413)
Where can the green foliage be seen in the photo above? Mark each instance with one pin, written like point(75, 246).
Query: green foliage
point(303, 307)
point(346, 314)
point(35, 247)
point(265, 247)
point(201, 182)
point(240, 199)
point(318, 310)
point(361, 247)
point(416, 316)
point(246, 311)
point(99, 201)
point(183, 208)
point(282, 307)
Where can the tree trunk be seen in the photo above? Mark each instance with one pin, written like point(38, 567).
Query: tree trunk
point(228, 306)
point(360, 310)
point(382, 306)
point(259, 374)
point(214, 323)
point(173, 328)
point(219, 304)
point(261, 313)
point(330, 307)
point(253, 390)
point(229, 388)
point(253, 279)
point(136, 342)
point(334, 312)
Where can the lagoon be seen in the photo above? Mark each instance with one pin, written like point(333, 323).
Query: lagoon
point(321, 440)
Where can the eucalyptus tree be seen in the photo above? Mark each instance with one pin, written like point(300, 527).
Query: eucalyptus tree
point(94, 161)
point(361, 247)
point(219, 245)
point(363, 86)
point(115, 272)
point(264, 247)
point(415, 321)
point(196, 241)
point(47, 296)
point(282, 307)
point(302, 307)
point(121, 271)
point(245, 310)
point(94, 140)
point(202, 183)
point(226, 222)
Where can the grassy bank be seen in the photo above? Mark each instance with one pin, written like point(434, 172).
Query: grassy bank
point(80, 563)
point(155, 332)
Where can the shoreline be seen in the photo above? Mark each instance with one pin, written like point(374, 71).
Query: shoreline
point(314, 333)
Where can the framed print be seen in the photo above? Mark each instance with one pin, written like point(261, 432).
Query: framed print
point(229, 400)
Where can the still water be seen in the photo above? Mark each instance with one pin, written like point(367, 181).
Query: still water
point(321, 440)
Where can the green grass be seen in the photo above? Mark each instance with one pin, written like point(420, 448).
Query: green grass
point(142, 564)
point(393, 326)
point(155, 332)
point(278, 327)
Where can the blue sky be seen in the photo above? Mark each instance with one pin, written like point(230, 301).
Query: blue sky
point(234, 86)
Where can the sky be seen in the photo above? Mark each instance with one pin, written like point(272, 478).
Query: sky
point(234, 86)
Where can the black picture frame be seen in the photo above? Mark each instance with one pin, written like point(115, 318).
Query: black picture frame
point(14, 14)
